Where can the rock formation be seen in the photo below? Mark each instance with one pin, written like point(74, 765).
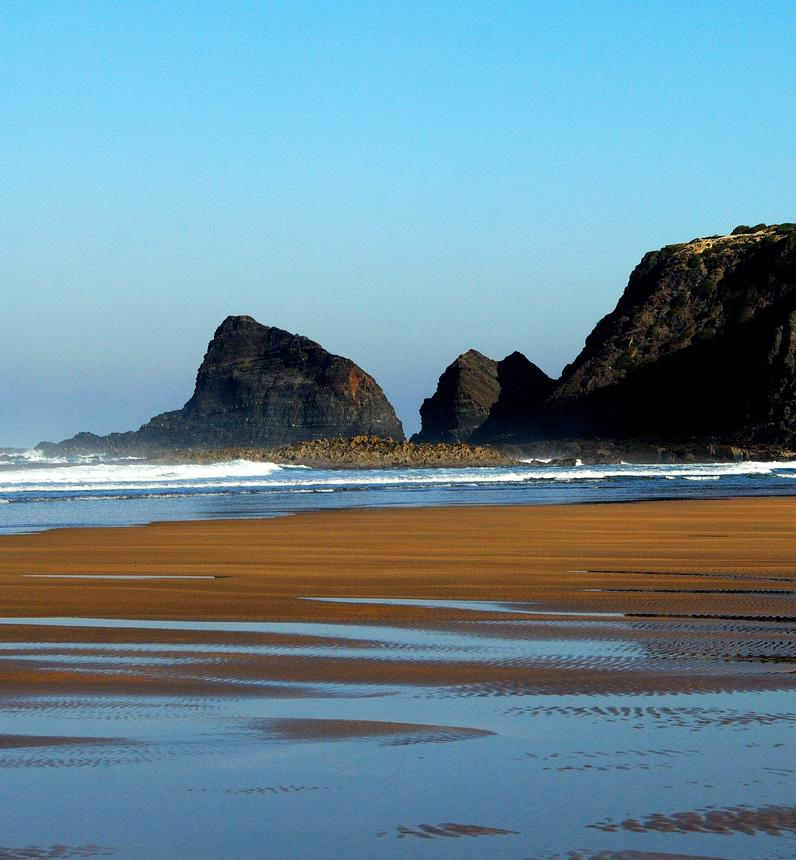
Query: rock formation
point(359, 452)
point(701, 347)
point(482, 399)
point(262, 386)
point(702, 343)
point(700, 350)
point(466, 391)
point(523, 387)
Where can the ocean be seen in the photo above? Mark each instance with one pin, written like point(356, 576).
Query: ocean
point(38, 493)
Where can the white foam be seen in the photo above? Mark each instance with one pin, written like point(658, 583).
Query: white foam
point(134, 475)
point(242, 475)
point(33, 455)
point(656, 470)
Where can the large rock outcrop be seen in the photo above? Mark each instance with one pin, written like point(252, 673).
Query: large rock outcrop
point(701, 343)
point(478, 398)
point(701, 347)
point(523, 388)
point(262, 386)
point(466, 392)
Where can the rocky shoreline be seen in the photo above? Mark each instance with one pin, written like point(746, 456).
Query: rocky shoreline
point(359, 452)
point(373, 452)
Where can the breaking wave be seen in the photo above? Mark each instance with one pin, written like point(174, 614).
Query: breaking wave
point(242, 475)
point(94, 489)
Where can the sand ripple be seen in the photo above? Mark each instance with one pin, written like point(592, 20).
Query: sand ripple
point(772, 820)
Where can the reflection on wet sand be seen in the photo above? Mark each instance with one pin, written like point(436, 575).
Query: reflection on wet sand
point(15, 742)
point(451, 831)
point(236, 716)
point(391, 733)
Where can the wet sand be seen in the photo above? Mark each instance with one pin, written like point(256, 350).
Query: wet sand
point(12, 742)
point(717, 565)
point(605, 681)
point(670, 557)
point(314, 728)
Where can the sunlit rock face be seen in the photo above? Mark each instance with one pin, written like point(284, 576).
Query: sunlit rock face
point(262, 386)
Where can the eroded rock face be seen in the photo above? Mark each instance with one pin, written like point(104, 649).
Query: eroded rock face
point(484, 400)
point(700, 344)
point(262, 386)
point(515, 414)
point(466, 392)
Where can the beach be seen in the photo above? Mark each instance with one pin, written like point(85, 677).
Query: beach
point(657, 557)
point(620, 651)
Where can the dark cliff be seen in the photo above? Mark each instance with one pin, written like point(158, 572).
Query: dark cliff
point(701, 343)
point(701, 347)
point(523, 388)
point(484, 400)
point(262, 386)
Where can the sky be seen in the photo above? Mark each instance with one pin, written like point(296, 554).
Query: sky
point(398, 181)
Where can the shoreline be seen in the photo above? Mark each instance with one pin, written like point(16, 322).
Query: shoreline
point(286, 513)
point(640, 575)
point(141, 493)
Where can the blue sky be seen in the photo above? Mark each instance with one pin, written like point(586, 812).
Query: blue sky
point(399, 181)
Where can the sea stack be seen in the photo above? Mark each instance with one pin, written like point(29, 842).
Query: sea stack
point(466, 391)
point(260, 386)
point(515, 414)
point(483, 400)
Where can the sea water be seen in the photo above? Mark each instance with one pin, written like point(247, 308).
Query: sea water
point(37, 492)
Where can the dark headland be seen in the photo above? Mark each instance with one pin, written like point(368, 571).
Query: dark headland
point(697, 361)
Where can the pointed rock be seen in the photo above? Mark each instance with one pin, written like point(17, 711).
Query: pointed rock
point(484, 400)
point(260, 386)
point(515, 414)
point(466, 391)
